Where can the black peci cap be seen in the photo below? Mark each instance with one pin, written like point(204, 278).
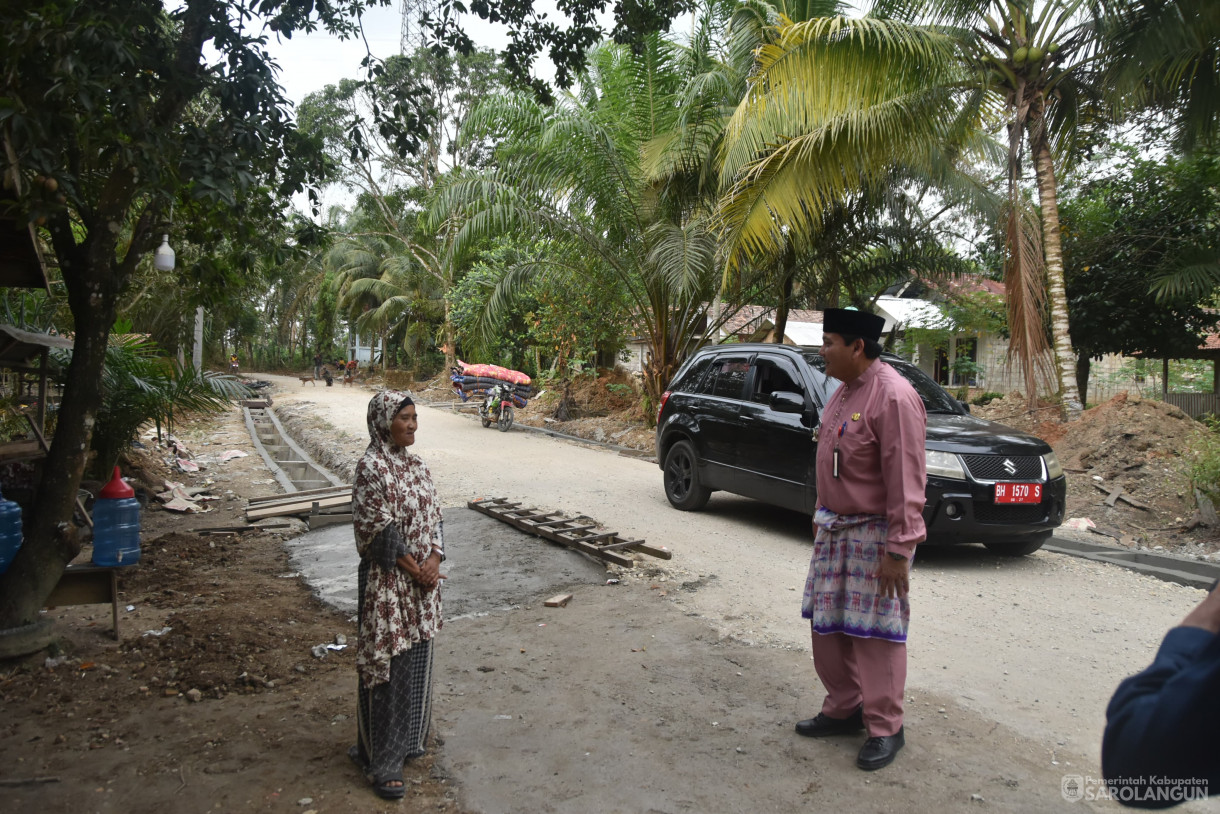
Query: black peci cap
point(843, 321)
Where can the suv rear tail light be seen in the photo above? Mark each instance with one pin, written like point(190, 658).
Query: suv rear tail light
point(664, 398)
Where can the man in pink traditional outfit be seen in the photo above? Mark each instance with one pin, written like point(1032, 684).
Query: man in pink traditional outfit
point(871, 474)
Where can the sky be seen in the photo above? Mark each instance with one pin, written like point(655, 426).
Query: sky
point(310, 62)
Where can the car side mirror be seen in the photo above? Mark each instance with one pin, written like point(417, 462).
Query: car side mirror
point(786, 402)
point(965, 406)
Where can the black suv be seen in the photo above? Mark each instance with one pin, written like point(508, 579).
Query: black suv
point(742, 418)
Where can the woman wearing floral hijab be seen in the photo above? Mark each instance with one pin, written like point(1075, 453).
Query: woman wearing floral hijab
point(399, 538)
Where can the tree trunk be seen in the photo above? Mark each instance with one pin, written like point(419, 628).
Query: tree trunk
point(1083, 365)
point(781, 310)
point(1056, 292)
point(450, 340)
point(51, 538)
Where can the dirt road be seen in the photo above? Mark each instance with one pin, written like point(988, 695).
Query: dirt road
point(677, 690)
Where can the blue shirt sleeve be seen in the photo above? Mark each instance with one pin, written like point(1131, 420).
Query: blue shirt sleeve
point(1163, 724)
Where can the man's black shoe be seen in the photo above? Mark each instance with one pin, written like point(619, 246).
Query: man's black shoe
point(822, 725)
point(879, 752)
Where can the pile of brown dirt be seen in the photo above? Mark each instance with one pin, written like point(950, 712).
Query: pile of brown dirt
point(1136, 445)
point(1013, 410)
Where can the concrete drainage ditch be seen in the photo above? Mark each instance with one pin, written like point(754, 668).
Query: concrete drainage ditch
point(1167, 567)
point(291, 465)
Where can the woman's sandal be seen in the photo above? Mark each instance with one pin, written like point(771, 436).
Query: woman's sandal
point(382, 786)
point(383, 789)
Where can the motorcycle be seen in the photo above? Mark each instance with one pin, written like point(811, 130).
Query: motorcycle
point(497, 407)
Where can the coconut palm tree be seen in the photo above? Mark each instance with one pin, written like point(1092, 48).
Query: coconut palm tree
point(837, 103)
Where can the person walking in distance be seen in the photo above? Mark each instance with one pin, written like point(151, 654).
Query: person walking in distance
point(871, 473)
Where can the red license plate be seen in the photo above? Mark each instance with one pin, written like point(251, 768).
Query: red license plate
point(1018, 493)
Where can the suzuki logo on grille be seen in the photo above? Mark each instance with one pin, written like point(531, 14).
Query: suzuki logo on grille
point(1009, 466)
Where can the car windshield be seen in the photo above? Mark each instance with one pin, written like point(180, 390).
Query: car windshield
point(935, 399)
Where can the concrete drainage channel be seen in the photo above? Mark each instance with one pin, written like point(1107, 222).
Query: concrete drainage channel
point(1192, 573)
point(288, 462)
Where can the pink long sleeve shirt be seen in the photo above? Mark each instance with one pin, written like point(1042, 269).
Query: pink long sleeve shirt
point(878, 424)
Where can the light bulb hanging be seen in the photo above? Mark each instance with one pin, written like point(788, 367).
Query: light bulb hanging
point(163, 259)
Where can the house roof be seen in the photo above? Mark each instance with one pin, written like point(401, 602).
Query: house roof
point(971, 284)
point(910, 313)
point(18, 347)
point(804, 333)
point(750, 317)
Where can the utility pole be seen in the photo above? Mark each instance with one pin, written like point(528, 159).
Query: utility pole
point(197, 357)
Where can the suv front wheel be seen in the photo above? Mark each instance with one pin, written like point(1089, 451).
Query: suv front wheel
point(682, 485)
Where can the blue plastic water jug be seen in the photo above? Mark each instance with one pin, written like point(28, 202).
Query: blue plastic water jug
point(116, 524)
point(10, 532)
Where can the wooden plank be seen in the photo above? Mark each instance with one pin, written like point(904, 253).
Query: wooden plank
point(291, 497)
point(1117, 494)
point(1125, 497)
point(652, 551)
point(572, 529)
point(300, 507)
point(592, 538)
point(238, 529)
point(622, 544)
point(557, 522)
point(558, 600)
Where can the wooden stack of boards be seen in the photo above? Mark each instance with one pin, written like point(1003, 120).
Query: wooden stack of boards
point(319, 507)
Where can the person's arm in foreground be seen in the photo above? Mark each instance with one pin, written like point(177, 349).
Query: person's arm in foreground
point(1163, 724)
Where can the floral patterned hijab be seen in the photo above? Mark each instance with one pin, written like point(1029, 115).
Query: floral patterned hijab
point(392, 484)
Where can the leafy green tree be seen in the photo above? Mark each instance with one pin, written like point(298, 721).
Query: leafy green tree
point(391, 268)
point(1168, 61)
point(573, 174)
point(1142, 222)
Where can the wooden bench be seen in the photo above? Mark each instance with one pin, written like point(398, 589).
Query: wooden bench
point(86, 584)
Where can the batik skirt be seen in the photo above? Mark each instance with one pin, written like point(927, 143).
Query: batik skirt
point(842, 590)
point(393, 717)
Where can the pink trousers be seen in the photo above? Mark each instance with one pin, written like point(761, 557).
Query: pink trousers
point(858, 671)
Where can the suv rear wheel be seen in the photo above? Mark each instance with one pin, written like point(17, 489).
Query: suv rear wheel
point(682, 485)
point(1018, 548)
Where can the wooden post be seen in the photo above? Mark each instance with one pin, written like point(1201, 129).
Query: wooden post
point(42, 389)
point(1165, 379)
